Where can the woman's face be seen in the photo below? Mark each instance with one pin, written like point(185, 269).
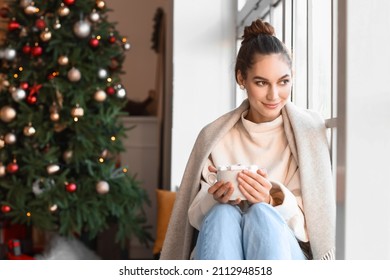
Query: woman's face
point(268, 85)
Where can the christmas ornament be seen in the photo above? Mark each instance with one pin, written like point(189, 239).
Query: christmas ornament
point(32, 99)
point(26, 49)
point(2, 170)
point(104, 154)
point(100, 95)
point(45, 35)
point(114, 64)
point(36, 50)
point(54, 115)
point(7, 114)
point(77, 111)
point(25, 3)
point(100, 4)
point(24, 85)
point(10, 138)
point(36, 187)
point(53, 208)
point(63, 10)
point(9, 54)
point(94, 43)
point(82, 29)
point(70, 187)
point(57, 24)
point(5, 208)
point(110, 90)
point(13, 25)
point(74, 75)
point(40, 23)
point(2, 142)
point(31, 9)
point(23, 32)
point(102, 73)
point(63, 60)
point(94, 16)
point(112, 39)
point(29, 130)
point(126, 46)
point(120, 91)
point(67, 155)
point(69, 2)
point(18, 94)
point(12, 167)
point(102, 187)
point(52, 168)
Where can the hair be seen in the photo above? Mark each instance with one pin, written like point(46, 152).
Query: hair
point(258, 38)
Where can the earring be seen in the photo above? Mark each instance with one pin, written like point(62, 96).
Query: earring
point(242, 87)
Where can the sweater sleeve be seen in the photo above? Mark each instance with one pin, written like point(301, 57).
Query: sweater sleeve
point(288, 203)
point(203, 201)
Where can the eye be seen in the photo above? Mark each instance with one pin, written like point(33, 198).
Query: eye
point(285, 82)
point(261, 83)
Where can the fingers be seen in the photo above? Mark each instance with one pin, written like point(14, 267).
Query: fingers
point(221, 191)
point(254, 186)
point(212, 168)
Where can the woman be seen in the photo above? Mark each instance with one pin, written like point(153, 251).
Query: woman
point(289, 208)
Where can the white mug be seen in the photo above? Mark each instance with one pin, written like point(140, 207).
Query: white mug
point(229, 174)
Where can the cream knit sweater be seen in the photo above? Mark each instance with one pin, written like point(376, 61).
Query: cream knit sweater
point(265, 145)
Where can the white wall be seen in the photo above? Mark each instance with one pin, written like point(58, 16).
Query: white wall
point(367, 112)
point(203, 72)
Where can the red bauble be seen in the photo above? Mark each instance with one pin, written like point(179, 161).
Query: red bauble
point(40, 24)
point(71, 187)
point(94, 43)
point(12, 167)
point(36, 51)
point(32, 99)
point(26, 49)
point(24, 85)
point(69, 2)
point(112, 39)
point(5, 208)
point(13, 25)
point(110, 90)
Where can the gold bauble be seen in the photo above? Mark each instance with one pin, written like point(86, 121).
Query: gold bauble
point(53, 208)
point(10, 138)
point(30, 10)
point(102, 187)
point(63, 60)
point(45, 35)
point(29, 130)
point(67, 155)
point(7, 114)
point(63, 11)
point(2, 170)
point(55, 116)
point(52, 168)
point(100, 4)
point(77, 112)
point(100, 95)
point(74, 74)
point(2, 143)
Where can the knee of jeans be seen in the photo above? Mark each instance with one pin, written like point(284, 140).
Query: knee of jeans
point(222, 211)
point(264, 211)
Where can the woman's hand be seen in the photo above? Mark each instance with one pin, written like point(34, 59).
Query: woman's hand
point(222, 191)
point(255, 186)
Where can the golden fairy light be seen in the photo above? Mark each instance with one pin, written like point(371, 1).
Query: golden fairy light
point(98, 37)
point(113, 138)
point(28, 214)
point(101, 160)
point(20, 68)
point(109, 80)
point(76, 119)
point(16, 76)
point(124, 170)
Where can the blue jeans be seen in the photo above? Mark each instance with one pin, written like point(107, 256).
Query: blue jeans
point(258, 234)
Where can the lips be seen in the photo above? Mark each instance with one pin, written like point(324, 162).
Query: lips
point(271, 106)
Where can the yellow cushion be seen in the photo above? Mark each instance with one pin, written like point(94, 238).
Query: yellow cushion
point(165, 201)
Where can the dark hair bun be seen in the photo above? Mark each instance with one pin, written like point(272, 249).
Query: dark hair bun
point(256, 28)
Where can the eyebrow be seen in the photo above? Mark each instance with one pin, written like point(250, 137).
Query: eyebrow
point(262, 78)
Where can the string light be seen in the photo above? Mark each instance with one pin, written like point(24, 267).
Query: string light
point(28, 214)
point(98, 37)
point(20, 68)
point(113, 138)
point(124, 170)
point(16, 76)
point(124, 40)
point(101, 160)
point(76, 119)
point(109, 80)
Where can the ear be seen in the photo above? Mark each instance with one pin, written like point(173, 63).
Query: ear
point(240, 78)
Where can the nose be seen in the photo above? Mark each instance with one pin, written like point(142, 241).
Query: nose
point(272, 93)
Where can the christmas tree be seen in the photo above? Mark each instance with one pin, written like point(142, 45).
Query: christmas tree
point(60, 132)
